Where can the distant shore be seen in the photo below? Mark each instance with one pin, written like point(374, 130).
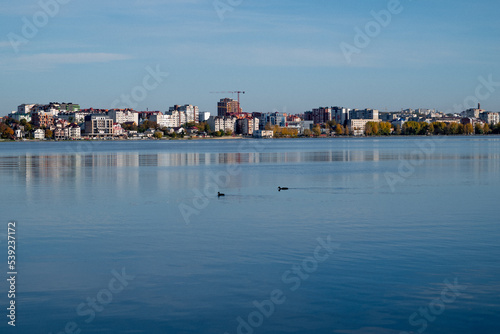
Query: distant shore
point(238, 138)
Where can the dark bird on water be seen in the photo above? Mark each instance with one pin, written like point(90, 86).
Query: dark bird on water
point(282, 188)
point(220, 194)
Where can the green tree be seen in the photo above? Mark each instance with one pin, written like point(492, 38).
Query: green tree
point(48, 133)
point(439, 128)
point(430, 129)
point(370, 129)
point(411, 128)
point(332, 125)
point(6, 131)
point(317, 130)
point(423, 129)
point(307, 132)
point(452, 128)
point(496, 128)
point(468, 129)
point(384, 128)
point(486, 129)
point(479, 129)
point(346, 131)
point(158, 135)
point(339, 130)
point(397, 129)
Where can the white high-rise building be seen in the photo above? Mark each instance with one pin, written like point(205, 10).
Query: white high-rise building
point(123, 116)
point(192, 112)
point(203, 116)
point(363, 114)
point(171, 119)
point(25, 108)
point(218, 123)
point(340, 115)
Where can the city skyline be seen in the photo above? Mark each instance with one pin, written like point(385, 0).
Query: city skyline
point(287, 56)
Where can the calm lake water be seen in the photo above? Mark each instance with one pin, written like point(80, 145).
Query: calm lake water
point(384, 235)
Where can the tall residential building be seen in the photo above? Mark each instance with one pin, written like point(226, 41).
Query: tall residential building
point(228, 107)
point(25, 108)
point(474, 113)
point(217, 123)
point(20, 116)
point(171, 119)
point(340, 115)
point(274, 118)
point(319, 116)
point(42, 119)
point(371, 114)
point(69, 107)
point(357, 126)
point(192, 112)
point(204, 116)
point(121, 116)
point(98, 125)
point(490, 117)
point(247, 126)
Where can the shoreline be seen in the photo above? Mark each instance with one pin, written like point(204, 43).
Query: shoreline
point(239, 138)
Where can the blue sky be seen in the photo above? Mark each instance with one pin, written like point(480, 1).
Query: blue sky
point(286, 55)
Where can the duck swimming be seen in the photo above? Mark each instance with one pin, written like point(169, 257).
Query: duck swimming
point(282, 188)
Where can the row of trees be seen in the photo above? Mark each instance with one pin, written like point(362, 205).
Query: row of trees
point(8, 125)
point(436, 128)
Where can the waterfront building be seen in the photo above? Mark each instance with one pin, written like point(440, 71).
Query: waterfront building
point(490, 117)
point(472, 112)
point(228, 107)
point(25, 108)
point(319, 115)
point(203, 116)
point(19, 116)
point(39, 134)
point(371, 114)
point(121, 116)
point(357, 126)
point(246, 126)
point(274, 118)
point(98, 125)
point(192, 112)
point(340, 115)
point(42, 119)
point(217, 123)
point(263, 134)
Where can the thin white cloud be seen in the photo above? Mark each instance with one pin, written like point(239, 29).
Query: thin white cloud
point(73, 58)
point(46, 61)
point(265, 55)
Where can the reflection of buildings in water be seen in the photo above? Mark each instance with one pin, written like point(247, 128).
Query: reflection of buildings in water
point(75, 168)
